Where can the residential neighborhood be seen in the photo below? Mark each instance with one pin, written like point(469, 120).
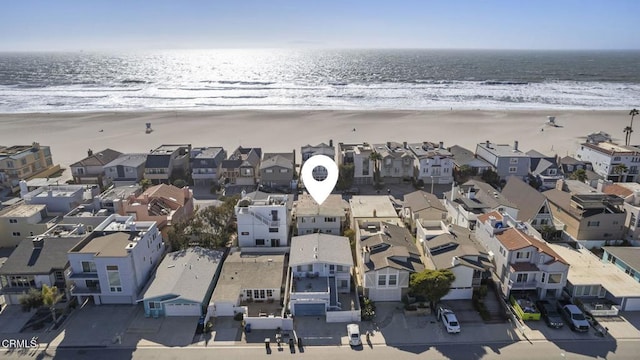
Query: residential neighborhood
point(130, 231)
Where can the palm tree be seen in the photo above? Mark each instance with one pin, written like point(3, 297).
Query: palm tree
point(629, 129)
point(50, 297)
point(620, 169)
point(376, 158)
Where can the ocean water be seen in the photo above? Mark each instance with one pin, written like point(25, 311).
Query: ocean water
point(318, 79)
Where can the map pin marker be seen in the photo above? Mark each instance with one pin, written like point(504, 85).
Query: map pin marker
point(320, 190)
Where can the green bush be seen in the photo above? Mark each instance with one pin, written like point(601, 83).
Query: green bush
point(368, 309)
point(33, 299)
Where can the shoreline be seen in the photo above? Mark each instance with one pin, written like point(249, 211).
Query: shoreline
point(70, 135)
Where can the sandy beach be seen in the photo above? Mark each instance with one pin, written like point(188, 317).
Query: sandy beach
point(70, 135)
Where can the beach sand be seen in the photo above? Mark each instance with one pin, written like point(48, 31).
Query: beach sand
point(70, 135)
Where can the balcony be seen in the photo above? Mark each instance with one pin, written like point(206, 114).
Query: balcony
point(83, 290)
point(529, 285)
point(84, 275)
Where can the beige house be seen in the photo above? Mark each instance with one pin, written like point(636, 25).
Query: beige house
point(23, 162)
point(328, 218)
point(358, 155)
point(422, 205)
point(164, 204)
point(593, 218)
point(20, 221)
point(90, 170)
point(397, 161)
point(373, 208)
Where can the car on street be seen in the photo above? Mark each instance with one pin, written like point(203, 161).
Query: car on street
point(449, 320)
point(549, 314)
point(353, 331)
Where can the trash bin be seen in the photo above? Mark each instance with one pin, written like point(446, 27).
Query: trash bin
point(247, 328)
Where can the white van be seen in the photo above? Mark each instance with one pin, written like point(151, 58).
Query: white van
point(353, 331)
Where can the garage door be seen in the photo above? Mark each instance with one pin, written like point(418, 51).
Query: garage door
point(385, 294)
point(457, 294)
point(309, 309)
point(632, 304)
point(181, 309)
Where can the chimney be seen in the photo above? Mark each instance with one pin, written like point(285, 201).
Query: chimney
point(636, 197)
point(601, 185)
point(331, 142)
point(89, 152)
point(404, 145)
point(560, 185)
point(515, 145)
point(186, 192)
point(366, 255)
point(24, 189)
point(38, 243)
point(389, 144)
point(441, 144)
point(375, 213)
point(487, 143)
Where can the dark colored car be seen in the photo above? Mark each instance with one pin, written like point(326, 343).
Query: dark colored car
point(550, 315)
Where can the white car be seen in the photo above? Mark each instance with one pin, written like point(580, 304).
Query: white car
point(353, 331)
point(449, 320)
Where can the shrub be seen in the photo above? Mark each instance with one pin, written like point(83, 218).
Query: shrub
point(368, 309)
point(31, 300)
point(411, 307)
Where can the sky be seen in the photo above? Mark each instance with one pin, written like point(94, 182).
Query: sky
point(44, 25)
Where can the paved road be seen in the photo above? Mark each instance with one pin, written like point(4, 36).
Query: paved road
point(604, 349)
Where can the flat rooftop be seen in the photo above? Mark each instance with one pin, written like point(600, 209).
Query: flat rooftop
point(505, 150)
point(333, 206)
point(587, 269)
point(110, 245)
point(121, 192)
point(167, 149)
point(22, 210)
point(363, 206)
point(248, 272)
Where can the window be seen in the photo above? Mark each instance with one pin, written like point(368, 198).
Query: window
point(244, 233)
point(259, 242)
point(593, 223)
point(522, 278)
point(534, 222)
point(616, 158)
point(513, 169)
point(273, 230)
point(513, 160)
point(154, 305)
point(543, 278)
point(393, 280)
point(248, 293)
point(22, 281)
point(89, 267)
point(552, 171)
point(268, 171)
point(382, 280)
point(330, 219)
point(16, 233)
point(13, 221)
point(9, 164)
point(555, 278)
point(269, 293)
point(115, 285)
point(522, 255)
point(284, 171)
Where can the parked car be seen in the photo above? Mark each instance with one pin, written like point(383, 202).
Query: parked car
point(353, 331)
point(573, 316)
point(449, 320)
point(549, 314)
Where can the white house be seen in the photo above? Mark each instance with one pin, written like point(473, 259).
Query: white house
point(127, 169)
point(327, 218)
point(320, 268)
point(358, 155)
point(263, 220)
point(386, 256)
point(433, 162)
point(113, 265)
point(522, 262)
point(614, 162)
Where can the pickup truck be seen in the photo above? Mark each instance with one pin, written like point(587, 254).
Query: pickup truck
point(573, 316)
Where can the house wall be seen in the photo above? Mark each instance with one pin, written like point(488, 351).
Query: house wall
point(395, 169)
point(12, 233)
point(35, 162)
point(279, 176)
point(363, 168)
point(134, 173)
point(314, 224)
point(502, 164)
point(632, 221)
point(611, 227)
point(269, 323)
point(441, 168)
point(462, 287)
point(602, 163)
point(250, 227)
point(634, 273)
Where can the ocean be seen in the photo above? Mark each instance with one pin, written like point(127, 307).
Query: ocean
point(319, 79)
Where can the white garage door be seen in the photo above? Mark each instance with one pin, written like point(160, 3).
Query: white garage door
point(181, 309)
point(632, 304)
point(385, 294)
point(458, 294)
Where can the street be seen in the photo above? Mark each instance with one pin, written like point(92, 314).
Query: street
point(605, 349)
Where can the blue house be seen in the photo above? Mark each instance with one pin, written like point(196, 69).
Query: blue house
point(626, 258)
point(183, 283)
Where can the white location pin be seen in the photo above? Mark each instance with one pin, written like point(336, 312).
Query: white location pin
point(319, 190)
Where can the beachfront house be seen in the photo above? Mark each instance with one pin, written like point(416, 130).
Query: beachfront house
point(40, 260)
point(613, 162)
point(569, 165)
point(422, 205)
point(533, 207)
point(545, 169)
point(277, 170)
point(126, 169)
point(395, 162)
point(183, 283)
point(602, 287)
point(242, 167)
point(328, 218)
point(590, 217)
point(630, 192)
point(465, 202)
point(505, 159)
point(358, 155)
point(164, 204)
point(523, 263)
point(60, 199)
point(457, 250)
point(434, 163)
point(307, 151)
point(205, 162)
point(465, 159)
point(20, 162)
point(90, 170)
point(168, 163)
point(320, 273)
point(264, 220)
point(19, 221)
point(113, 264)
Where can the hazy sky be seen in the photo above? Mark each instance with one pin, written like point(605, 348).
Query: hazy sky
point(162, 24)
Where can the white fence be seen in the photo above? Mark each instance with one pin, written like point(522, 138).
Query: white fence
point(269, 323)
point(343, 316)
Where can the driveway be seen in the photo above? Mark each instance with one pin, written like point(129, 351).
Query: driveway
point(96, 325)
point(12, 319)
